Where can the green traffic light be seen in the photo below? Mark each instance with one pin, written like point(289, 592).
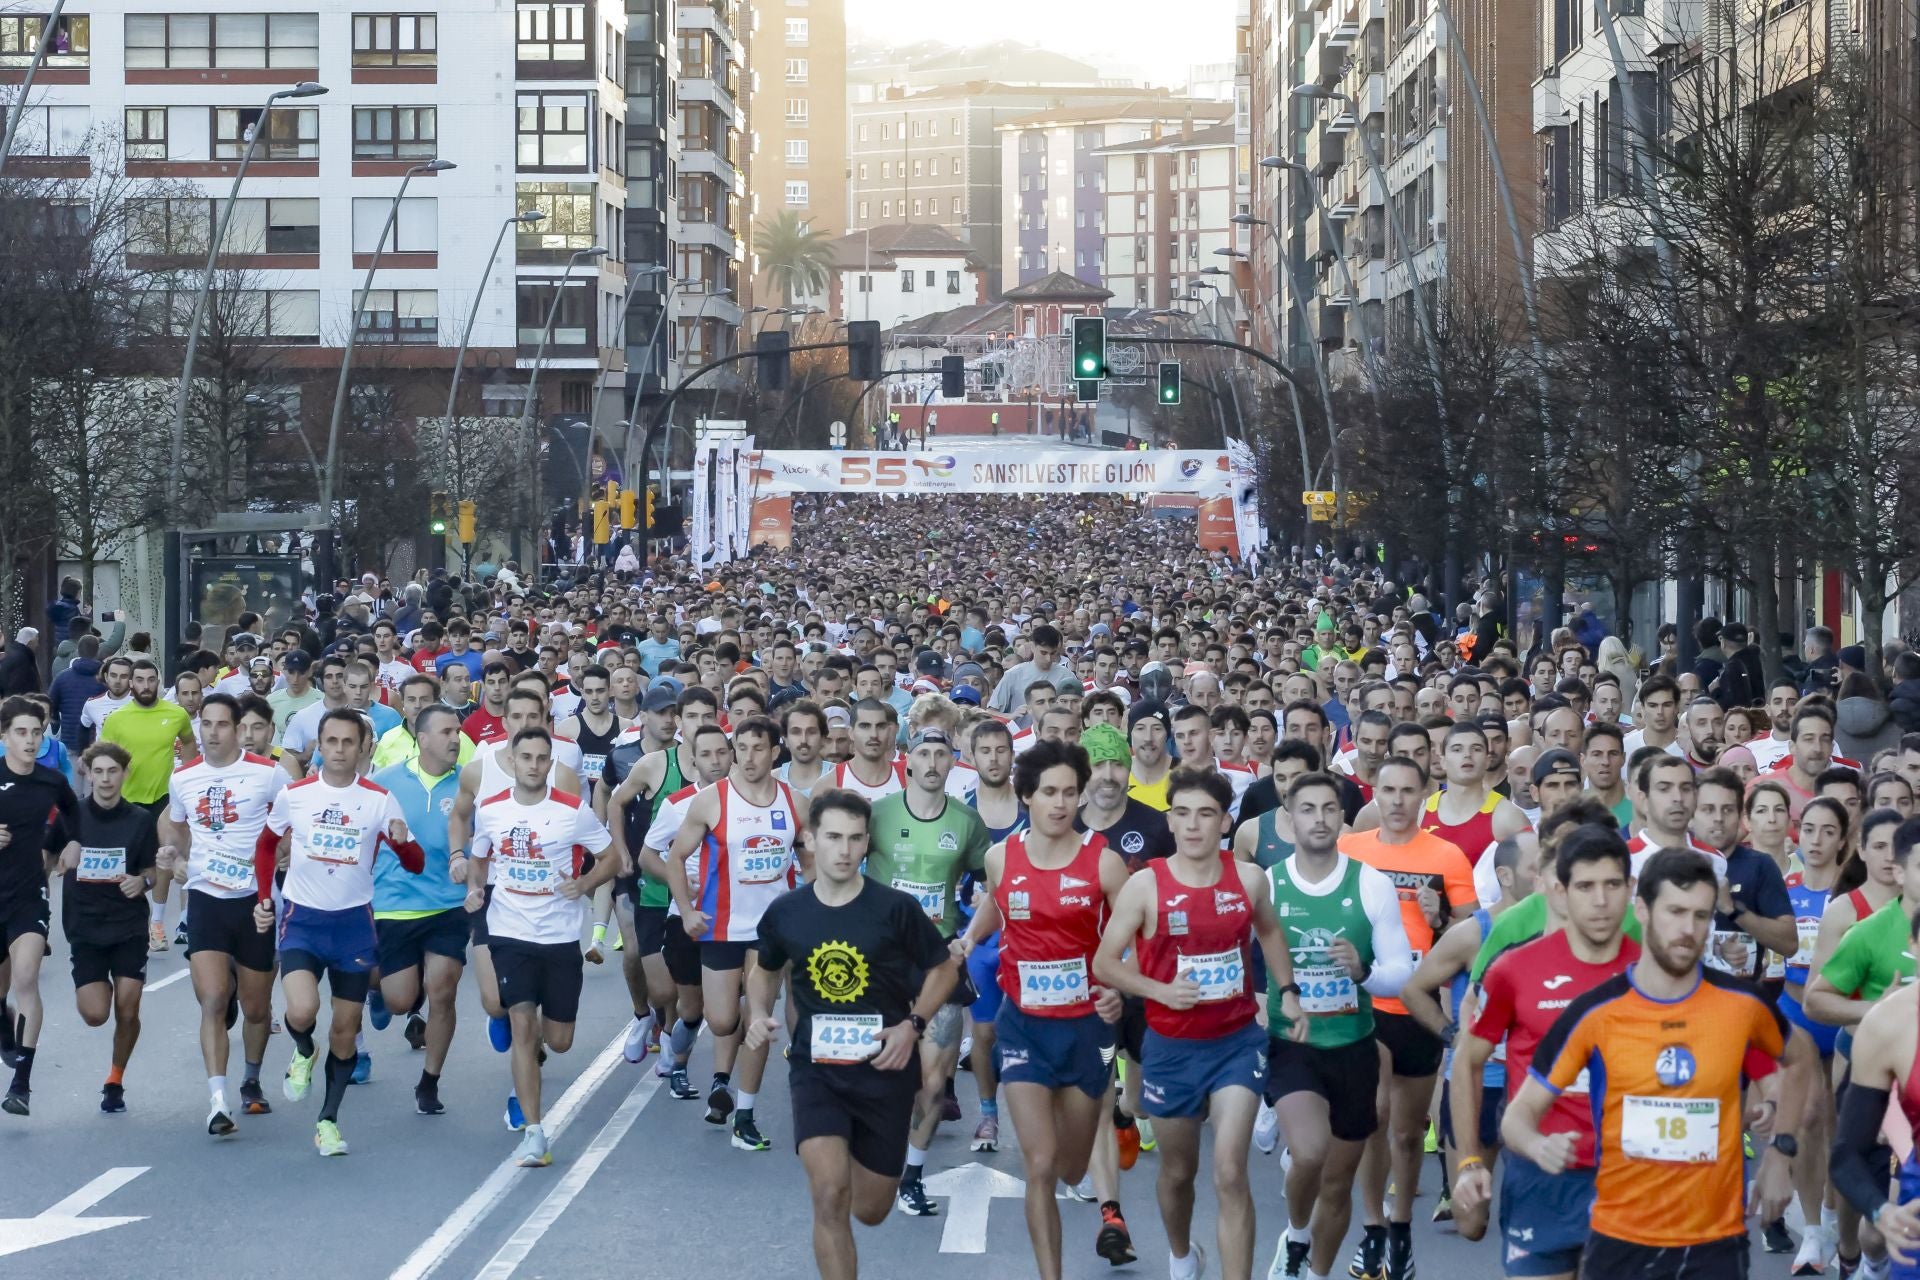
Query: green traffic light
point(438, 527)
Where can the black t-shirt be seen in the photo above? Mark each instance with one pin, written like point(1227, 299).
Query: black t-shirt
point(1140, 835)
point(29, 804)
point(1263, 796)
point(96, 911)
point(869, 956)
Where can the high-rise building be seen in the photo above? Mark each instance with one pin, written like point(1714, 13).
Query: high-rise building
point(653, 154)
point(709, 226)
point(799, 161)
point(1170, 201)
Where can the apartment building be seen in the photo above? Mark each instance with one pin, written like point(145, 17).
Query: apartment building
point(799, 118)
point(709, 224)
point(1169, 205)
point(653, 157)
point(1052, 179)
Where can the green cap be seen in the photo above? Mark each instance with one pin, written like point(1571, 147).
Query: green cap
point(1104, 742)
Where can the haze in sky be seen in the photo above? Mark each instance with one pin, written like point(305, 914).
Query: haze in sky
point(1152, 39)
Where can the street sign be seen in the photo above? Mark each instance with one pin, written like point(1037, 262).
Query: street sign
point(1319, 498)
point(837, 435)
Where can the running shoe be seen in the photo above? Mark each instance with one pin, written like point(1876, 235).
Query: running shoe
point(1266, 1129)
point(1290, 1259)
point(986, 1134)
point(516, 1119)
point(912, 1198)
point(533, 1152)
point(1370, 1255)
point(637, 1045)
point(300, 1075)
point(1199, 1261)
point(1443, 1208)
point(362, 1067)
point(1146, 1133)
point(157, 937)
point(1808, 1261)
point(1433, 1140)
point(15, 1103)
point(1126, 1137)
point(1115, 1242)
point(1872, 1269)
point(180, 933)
point(377, 1012)
point(1081, 1190)
point(253, 1099)
point(1400, 1259)
point(747, 1136)
point(1775, 1238)
point(426, 1100)
point(416, 1032)
point(500, 1034)
point(219, 1118)
point(327, 1140)
point(679, 1086)
point(593, 954)
point(619, 942)
point(719, 1103)
point(950, 1107)
point(113, 1098)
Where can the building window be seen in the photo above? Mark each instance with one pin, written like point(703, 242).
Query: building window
point(886, 210)
point(956, 206)
point(956, 126)
point(293, 133)
point(863, 173)
point(400, 315)
point(70, 46)
point(54, 131)
point(395, 40)
point(189, 40)
point(274, 226)
point(796, 193)
point(916, 208)
point(917, 168)
point(886, 133)
point(863, 133)
point(415, 231)
point(395, 133)
point(865, 285)
point(886, 169)
point(796, 70)
point(863, 211)
point(797, 112)
point(953, 282)
point(929, 281)
point(273, 315)
point(916, 128)
point(551, 32)
point(169, 227)
point(797, 152)
point(569, 222)
point(796, 30)
point(933, 167)
point(933, 128)
point(906, 282)
point(554, 130)
point(146, 133)
point(573, 322)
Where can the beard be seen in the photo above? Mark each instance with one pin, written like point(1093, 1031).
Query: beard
point(1676, 958)
point(147, 699)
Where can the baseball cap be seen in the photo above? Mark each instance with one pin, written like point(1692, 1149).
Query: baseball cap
point(1104, 742)
point(668, 683)
point(1556, 761)
point(1149, 709)
point(929, 737)
point(261, 663)
point(929, 663)
point(837, 718)
point(659, 698)
point(966, 695)
point(296, 660)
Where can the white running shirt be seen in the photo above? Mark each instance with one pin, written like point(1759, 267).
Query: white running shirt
point(335, 839)
point(532, 851)
point(224, 809)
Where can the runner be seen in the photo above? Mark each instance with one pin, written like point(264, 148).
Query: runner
point(874, 771)
point(219, 805)
point(1348, 939)
point(108, 858)
point(1050, 887)
point(649, 747)
point(536, 833)
point(1468, 812)
point(153, 733)
point(991, 754)
point(855, 950)
point(594, 727)
point(1192, 918)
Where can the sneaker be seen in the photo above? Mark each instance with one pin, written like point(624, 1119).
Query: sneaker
point(253, 1099)
point(273, 1027)
point(362, 1068)
point(1115, 1242)
point(15, 1103)
point(1126, 1138)
point(416, 1032)
point(219, 1118)
point(679, 1086)
point(593, 954)
point(516, 1119)
point(950, 1108)
point(1370, 1255)
point(327, 1140)
point(1400, 1259)
point(1266, 1130)
point(157, 937)
point(377, 1012)
point(1290, 1259)
point(912, 1198)
point(426, 1100)
point(719, 1103)
point(113, 1098)
point(1807, 1262)
point(986, 1134)
point(747, 1136)
point(1081, 1190)
point(637, 1044)
point(619, 942)
point(1443, 1209)
point(1199, 1261)
point(533, 1152)
point(1146, 1133)
point(500, 1034)
point(300, 1075)
point(180, 933)
point(1432, 1144)
point(1876, 1269)
point(1775, 1238)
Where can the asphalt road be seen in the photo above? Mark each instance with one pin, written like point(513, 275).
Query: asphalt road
point(640, 1185)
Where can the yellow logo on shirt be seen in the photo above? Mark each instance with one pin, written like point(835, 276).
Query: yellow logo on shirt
point(838, 971)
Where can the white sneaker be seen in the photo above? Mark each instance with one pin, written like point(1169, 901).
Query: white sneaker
point(1874, 1269)
point(1082, 1190)
point(1266, 1130)
point(636, 1048)
point(220, 1117)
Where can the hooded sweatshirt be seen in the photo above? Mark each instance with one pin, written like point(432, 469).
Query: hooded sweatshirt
point(1864, 726)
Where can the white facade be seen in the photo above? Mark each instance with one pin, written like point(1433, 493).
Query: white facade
point(908, 286)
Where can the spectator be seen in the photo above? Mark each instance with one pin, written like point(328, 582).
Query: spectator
point(1904, 701)
point(1864, 724)
point(1614, 658)
point(64, 610)
point(19, 669)
point(1823, 665)
point(1587, 627)
point(70, 690)
point(1730, 669)
point(82, 625)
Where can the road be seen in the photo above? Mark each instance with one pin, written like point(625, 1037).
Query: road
point(640, 1185)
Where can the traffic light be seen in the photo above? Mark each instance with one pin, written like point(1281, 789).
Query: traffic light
point(629, 509)
point(1089, 348)
point(602, 523)
point(613, 491)
point(863, 350)
point(773, 359)
point(1169, 382)
point(437, 513)
point(466, 531)
point(953, 377)
point(1086, 389)
point(650, 515)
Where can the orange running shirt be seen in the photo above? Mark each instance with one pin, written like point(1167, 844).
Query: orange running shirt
point(1427, 860)
point(1666, 1082)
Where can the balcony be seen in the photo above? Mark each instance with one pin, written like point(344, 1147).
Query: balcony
point(1549, 110)
point(700, 160)
point(1326, 151)
point(1369, 93)
point(708, 90)
point(710, 235)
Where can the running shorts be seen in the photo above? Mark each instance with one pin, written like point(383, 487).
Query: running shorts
point(1347, 1076)
point(649, 929)
point(1056, 1053)
point(343, 944)
point(872, 1111)
point(1609, 1259)
point(546, 975)
point(1178, 1077)
point(1824, 1037)
point(226, 925)
point(1543, 1217)
point(983, 970)
point(27, 913)
point(104, 962)
point(1414, 1051)
point(405, 944)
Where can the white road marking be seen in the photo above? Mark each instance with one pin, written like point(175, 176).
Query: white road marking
point(972, 1189)
point(168, 981)
point(423, 1261)
point(523, 1240)
point(62, 1220)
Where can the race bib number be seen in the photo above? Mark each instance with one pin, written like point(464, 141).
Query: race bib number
point(228, 873)
point(1326, 988)
point(532, 876)
point(931, 895)
point(1050, 984)
point(1717, 945)
point(338, 845)
point(1809, 929)
point(1776, 965)
point(1670, 1130)
point(843, 1037)
point(763, 868)
point(591, 767)
point(1220, 975)
point(101, 865)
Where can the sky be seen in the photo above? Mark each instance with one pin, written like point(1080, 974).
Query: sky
point(1141, 38)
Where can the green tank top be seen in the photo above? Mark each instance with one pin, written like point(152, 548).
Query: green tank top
point(654, 893)
point(1269, 850)
point(1340, 1010)
point(925, 860)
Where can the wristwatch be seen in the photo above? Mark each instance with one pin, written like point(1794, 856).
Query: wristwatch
point(1786, 1144)
point(1291, 989)
point(919, 1024)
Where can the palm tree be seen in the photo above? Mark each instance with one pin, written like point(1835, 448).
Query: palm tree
point(797, 258)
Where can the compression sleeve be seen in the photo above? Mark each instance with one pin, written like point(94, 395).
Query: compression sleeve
point(266, 858)
point(1392, 952)
point(1858, 1133)
point(410, 853)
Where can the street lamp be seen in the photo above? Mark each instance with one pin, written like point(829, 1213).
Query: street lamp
point(634, 277)
point(526, 218)
point(346, 357)
point(18, 108)
point(305, 89)
point(646, 366)
point(530, 402)
point(1299, 169)
point(1294, 286)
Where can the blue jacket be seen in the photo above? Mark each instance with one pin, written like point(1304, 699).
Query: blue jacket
point(69, 692)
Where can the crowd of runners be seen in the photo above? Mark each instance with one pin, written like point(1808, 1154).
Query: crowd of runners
point(1608, 961)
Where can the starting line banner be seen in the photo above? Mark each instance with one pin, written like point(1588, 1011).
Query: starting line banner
point(1205, 472)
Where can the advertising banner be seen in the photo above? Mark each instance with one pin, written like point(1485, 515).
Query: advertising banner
point(700, 522)
point(743, 497)
point(773, 522)
point(725, 492)
point(1021, 470)
point(1219, 531)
